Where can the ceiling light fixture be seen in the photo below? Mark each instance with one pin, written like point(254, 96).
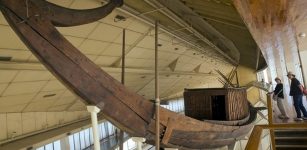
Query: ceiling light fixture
point(302, 35)
point(119, 18)
point(5, 58)
point(49, 95)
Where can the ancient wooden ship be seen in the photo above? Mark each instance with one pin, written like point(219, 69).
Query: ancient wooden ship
point(35, 21)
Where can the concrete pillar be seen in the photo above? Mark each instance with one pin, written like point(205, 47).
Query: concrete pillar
point(94, 110)
point(303, 55)
point(65, 143)
point(139, 141)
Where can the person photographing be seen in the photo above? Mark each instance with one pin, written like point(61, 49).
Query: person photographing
point(278, 95)
point(297, 93)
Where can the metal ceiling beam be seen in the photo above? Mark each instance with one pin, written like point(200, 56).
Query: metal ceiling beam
point(224, 46)
point(141, 71)
point(223, 21)
point(223, 11)
point(128, 10)
point(257, 57)
point(133, 45)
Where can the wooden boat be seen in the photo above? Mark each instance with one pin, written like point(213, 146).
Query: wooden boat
point(35, 21)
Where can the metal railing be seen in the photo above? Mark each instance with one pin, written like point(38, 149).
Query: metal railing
point(255, 137)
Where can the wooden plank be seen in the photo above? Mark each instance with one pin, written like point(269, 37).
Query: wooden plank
point(270, 110)
point(272, 136)
point(253, 143)
point(169, 130)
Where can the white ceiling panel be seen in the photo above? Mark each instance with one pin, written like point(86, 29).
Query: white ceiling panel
point(65, 100)
point(143, 53)
point(49, 95)
point(167, 55)
point(93, 47)
point(38, 106)
point(14, 108)
point(77, 106)
point(68, 93)
point(185, 59)
point(165, 37)
point(139, 63)
point(33, 58)
point(105, 60)
point(92, 57)
point(116, 76)
point(163, 64)
point(17, 55)
point(172, 48)
point(7, 75)
point(53, 85)
point(130, 37)
point(75, 41)
point(32, 75)
point(138, 82)
point(2, 20)
point(59, 108)
point(114, 50)
point(134, 88)
point(105, 33)
point(147, 42)
point(24, 88)
point(8, 101)
point(3, 86)
point(138, 26)
point(110, 19)
point(10, 40)
point(78, 31)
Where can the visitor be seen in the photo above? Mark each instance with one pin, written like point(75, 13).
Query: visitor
point(297, 94)
point(278, 95)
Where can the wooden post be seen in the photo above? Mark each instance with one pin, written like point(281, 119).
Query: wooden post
point(157, 102)
point(254, 139)
point(272, 135)
point(237, 79)
point(123, 56)
point(269, 105)
point(270, 120)
point(121, 132)
point(300, 59)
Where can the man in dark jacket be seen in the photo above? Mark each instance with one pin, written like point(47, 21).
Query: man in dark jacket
point(297, 94)
point(279, 94)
